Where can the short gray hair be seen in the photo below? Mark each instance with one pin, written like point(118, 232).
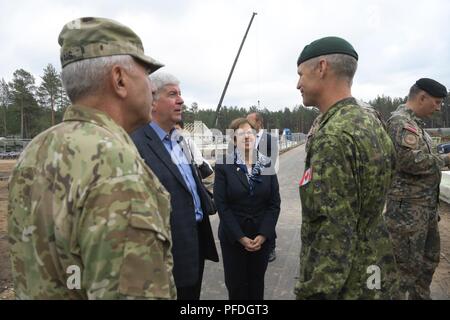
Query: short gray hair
point(161, 79)
point(86, 77)
point(414, 91)
point(343, 65)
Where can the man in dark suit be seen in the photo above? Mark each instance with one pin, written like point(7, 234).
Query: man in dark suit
point(166, 154)
point(268, 146)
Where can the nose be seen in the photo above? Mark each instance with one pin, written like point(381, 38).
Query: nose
point(438, 106)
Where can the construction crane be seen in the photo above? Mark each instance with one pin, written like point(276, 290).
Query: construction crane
point(216, 122)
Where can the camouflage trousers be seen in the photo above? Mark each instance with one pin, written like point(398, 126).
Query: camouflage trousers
point(415, 238)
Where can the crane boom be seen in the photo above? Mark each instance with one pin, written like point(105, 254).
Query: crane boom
point(231, 72)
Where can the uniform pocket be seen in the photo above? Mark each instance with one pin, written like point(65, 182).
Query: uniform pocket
point(402, 217)
point(147, 262)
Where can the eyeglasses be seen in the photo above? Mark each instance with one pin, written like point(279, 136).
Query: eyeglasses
point(246, 133)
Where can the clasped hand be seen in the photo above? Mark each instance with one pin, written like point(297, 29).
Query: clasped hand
point(252, 245)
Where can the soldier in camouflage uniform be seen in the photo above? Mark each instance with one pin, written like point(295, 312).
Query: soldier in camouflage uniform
point(312, 130)
point(87, 219)
point(413, 200)
point(346, 252)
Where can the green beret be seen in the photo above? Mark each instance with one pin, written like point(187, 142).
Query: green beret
point(432, 87)
point(87, 38)
point(324, 46)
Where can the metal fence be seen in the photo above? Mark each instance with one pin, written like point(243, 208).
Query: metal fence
point(210, 146)
point(293, 140)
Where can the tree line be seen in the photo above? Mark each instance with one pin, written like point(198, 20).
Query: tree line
point(28, 108)
point(300, 118)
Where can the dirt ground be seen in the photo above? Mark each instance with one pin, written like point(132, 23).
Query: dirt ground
point(6, 287)
point(440, 287)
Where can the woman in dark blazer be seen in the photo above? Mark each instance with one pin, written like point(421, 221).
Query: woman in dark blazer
point(248, 203)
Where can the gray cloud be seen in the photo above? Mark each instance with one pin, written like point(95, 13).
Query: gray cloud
point(398, 42)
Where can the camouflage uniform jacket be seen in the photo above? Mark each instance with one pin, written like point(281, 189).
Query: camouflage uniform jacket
point(348, 169)
point(418, 171)
point(83, 204)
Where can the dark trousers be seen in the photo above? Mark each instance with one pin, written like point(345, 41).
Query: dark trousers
point(273, 245)
point(193, 292)
point(244, 271)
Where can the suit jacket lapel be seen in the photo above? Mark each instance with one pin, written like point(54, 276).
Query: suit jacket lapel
point(188, 154)
point(230, 160)
point(241, 176)
point(161, 152)
point(265, 143)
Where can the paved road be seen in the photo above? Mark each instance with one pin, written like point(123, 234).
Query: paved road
point(281, 273)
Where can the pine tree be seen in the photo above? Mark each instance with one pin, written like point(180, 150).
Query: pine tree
point(49, 90)
point(4, 103)
point(23, 91)
point(62, 99)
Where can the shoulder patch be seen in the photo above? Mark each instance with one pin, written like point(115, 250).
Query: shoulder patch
point(307, 177)
point(410, 140)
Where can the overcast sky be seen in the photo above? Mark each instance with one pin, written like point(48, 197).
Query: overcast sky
point(398, 41)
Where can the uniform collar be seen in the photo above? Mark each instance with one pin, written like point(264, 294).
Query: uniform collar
point(97, 117)
point(336, 107)
point(403, 108)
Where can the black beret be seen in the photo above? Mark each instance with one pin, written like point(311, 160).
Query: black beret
point(432, 87)
point(324, 46)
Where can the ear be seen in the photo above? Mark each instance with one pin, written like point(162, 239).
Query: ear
point(155, 109)
point(154, 104)
point(422, 96)
point(119, 81)
point(322, 67)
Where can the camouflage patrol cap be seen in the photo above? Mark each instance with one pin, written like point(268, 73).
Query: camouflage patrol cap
point(324, 46)
point(432, 87)
point(89, 37)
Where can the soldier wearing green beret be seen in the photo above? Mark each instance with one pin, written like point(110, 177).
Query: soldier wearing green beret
point(87, 218)
point(346, 252)
point(413, 199)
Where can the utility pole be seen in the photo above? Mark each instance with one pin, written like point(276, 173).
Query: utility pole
point(231, 72)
